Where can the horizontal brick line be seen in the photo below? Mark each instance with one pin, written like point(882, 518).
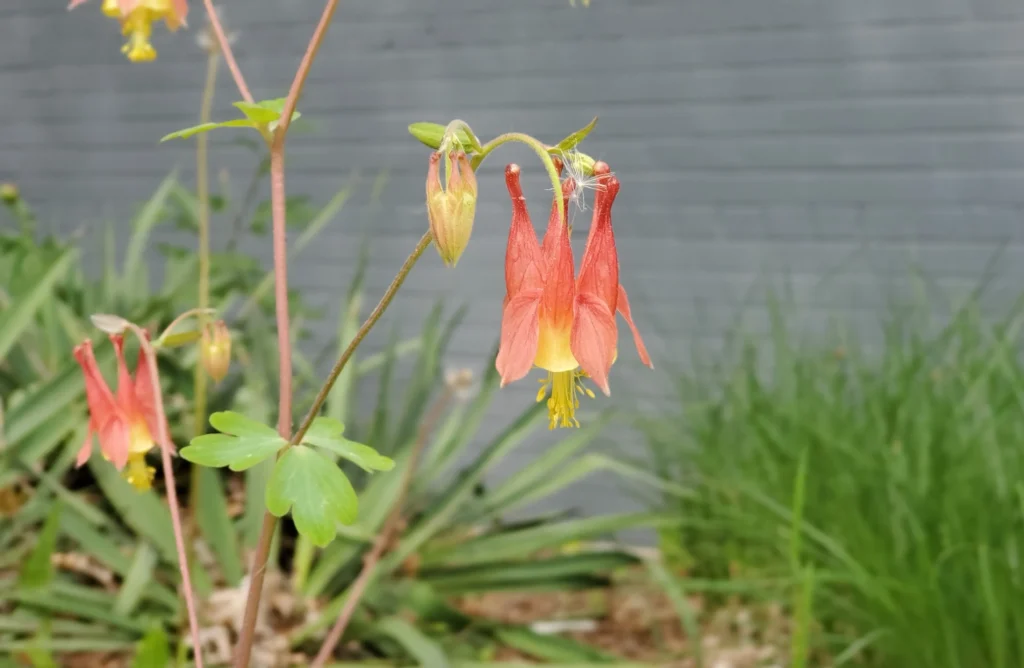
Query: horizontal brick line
point(775, 67)
point(609, 143)
point(781, 106)
point(415, 19)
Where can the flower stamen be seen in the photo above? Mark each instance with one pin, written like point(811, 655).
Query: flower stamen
point(138, 27)
point(137, 473)
point(565, 388)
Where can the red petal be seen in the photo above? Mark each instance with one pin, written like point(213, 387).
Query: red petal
point(100, 400)
point(115, 437)
point(145, 399)
point(594, 337)
point(85, 451)
point(523, 261)
point(599, 268)
point(75, 3)
point(624, 310)
point(180, 8)
point(568, 185)
point(520, 329)
point(560, 273)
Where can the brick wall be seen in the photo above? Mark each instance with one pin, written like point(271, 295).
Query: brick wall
point(828, 141)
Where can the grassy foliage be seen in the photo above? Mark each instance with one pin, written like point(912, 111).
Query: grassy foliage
point(886, 485)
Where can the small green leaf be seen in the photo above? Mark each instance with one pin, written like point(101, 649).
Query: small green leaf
point(153, 650)
point(206, 127)
point(431, 134)
point(242, 443)
point(325, 432)
point(179, 339)
point(570, 142)
point(260, 112)
point(37, 571)
point(317, 492)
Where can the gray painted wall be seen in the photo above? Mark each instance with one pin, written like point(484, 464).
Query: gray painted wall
point(822, 139)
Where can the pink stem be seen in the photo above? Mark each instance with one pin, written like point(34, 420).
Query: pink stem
point(172, 496)
point(225, 48)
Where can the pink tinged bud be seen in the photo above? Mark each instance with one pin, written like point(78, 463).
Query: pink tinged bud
point(451, 209)
point(215, 351)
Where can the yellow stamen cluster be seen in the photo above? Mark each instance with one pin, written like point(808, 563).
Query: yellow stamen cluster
point(565, 388)
point(137, 473)
point(137, 25)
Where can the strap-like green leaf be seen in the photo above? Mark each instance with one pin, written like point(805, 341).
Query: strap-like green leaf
point(242, 444)
point(206, 127)
point(326, 432)
point(318, 494)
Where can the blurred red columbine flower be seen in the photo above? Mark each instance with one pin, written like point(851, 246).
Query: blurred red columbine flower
point(126, 422)
point(137, 18)
point(553, 320)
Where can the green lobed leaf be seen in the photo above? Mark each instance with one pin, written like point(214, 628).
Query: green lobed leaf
point(575, 138)
point(242, 443)
point(206, 127)
point(326, 433)
point(316, 491)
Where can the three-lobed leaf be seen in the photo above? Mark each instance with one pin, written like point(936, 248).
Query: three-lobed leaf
point(242, 443)
point(326, 433)
point(257, 115)
point(311, 485)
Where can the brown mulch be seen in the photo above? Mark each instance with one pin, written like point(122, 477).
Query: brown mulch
point(638, 623)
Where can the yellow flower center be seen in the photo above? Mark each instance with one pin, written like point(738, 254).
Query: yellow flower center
point(138, 26)
point(137, 473)
point(139, 439)
point(565, 388)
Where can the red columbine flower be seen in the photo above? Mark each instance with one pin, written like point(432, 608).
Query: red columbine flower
point(137, 18)
point(552, 319)
point(126, 422)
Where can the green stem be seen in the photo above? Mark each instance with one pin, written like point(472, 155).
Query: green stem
point(203, 222)
point(542, 152)
point(371, 320)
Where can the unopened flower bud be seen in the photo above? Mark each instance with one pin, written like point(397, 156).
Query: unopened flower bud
point(9, 193)
point(451, 208)
point(215, 350)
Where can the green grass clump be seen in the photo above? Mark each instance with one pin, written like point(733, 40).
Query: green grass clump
point(896, 473)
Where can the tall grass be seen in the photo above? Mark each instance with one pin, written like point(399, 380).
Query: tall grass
point(896, 474)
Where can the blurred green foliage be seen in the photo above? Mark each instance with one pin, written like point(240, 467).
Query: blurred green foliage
point(893, 473)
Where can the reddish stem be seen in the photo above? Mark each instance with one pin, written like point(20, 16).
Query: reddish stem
point(225, 48)
point(172, 495)
point(277, 203)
